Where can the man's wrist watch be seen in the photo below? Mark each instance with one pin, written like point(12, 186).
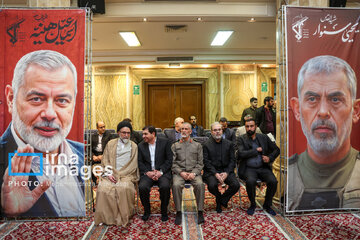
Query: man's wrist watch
point(195, 174)
point(161, 172)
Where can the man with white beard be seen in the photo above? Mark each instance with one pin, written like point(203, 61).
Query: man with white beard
point(41, 100)
point(327, 174)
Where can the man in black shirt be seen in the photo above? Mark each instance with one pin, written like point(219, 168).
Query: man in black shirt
point(219, 164)
point(256, 153)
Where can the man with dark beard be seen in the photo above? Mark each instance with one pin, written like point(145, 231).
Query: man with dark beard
point(256, 152)
point(266, 117)
point(327, 174)
point(41, 100)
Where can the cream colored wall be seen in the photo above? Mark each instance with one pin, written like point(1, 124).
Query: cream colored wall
point(113, 98)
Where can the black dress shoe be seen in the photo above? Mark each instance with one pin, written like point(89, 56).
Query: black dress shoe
point(200, 217)
point(145, 217)
point(218, 207)
point(164, 217)
point(178, 218)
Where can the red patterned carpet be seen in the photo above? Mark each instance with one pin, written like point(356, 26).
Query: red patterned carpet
point(234, 224)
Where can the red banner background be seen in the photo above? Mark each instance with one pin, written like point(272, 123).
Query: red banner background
point(312, 32)
point(24, 31)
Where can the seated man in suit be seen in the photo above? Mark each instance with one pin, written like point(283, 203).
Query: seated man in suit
point(219, 164)
point(228, 133)
point(154, 160)
point(241, 130)
point(98, 143)
point(175, 134)
point(186, 167)
point(256, 152)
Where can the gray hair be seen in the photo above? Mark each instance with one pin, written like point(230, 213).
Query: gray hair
point(47, 59)
point(327, 64)
point(213, 124)
point(178, 119)
point(186, 123)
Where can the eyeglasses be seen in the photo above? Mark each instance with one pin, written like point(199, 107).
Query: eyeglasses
point(217, 130)
point(126, 133)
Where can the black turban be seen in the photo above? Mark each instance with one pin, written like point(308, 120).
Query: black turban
point(124, 124)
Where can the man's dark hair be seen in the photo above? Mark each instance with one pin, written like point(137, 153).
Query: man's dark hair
point(253, 99)
point(123, 124)
point(267, 99)
point(250, 120)
point(150, 128)
point(223, 119)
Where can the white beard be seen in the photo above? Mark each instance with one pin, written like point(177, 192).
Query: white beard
point(38, 142)
point(326, 145)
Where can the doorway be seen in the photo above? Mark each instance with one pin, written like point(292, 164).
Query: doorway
point(168, 99)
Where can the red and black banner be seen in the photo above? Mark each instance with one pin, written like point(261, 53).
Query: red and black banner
point(326, 110)
point(48, 103)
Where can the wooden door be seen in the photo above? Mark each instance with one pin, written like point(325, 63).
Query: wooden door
point(166, 101)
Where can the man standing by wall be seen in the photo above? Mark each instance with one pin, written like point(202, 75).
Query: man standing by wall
point(196, 130)
point(266, 117)
point(249, 111)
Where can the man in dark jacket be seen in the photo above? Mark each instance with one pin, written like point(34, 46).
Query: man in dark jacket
point(266, 117)
point(228, 133)
point(98, 143)
point(197, 131)
point(256, 153)
point(219, 164)
point(155, 161)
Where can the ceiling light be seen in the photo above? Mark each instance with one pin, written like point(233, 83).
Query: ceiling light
point(199, 18)
point(205, 65)
point(145, 19)
point(130, 38)
point(252, 20)
point(174, 65)
point(221, 37)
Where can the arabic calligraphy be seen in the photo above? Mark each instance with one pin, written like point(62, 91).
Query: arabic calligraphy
point(328, 26)
point(13, 29)
point(55, 32)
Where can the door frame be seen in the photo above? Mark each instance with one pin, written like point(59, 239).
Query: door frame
point(175, 81)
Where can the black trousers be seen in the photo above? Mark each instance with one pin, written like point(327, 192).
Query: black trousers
point(265, 175)
point(231, 181)
point(145, 186)
point(93, 177)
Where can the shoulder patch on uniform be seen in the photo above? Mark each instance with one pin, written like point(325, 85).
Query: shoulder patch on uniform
point(293, 159)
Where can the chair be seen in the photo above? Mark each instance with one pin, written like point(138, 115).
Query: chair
point(207, 132)
point(201, 140)
point(158, 130)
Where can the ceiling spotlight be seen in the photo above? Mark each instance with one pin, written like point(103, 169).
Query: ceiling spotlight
point(145, 19)
point(199, 19)
point(221, 37)
point(174, 65)
point(252, 20)
point(130, 38)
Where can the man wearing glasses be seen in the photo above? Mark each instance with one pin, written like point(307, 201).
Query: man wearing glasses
point(219, 164)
